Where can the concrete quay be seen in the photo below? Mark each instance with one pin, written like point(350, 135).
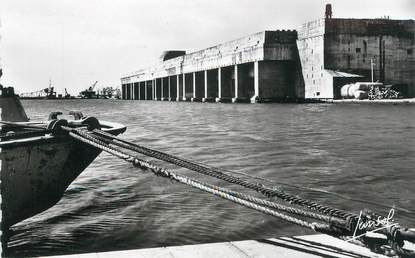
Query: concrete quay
point(302, 246)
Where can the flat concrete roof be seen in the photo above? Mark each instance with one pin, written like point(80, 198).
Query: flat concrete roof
point(264, 45)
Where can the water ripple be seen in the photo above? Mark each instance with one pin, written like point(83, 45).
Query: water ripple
point(358, 152)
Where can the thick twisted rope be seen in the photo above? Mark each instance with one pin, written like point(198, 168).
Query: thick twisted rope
point(319, 227)
point(218, 191)
point(329, 219)
point(85, 137)
point(242, 199)
point(271, 193)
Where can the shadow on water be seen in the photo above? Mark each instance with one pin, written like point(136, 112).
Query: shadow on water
point(363, 154)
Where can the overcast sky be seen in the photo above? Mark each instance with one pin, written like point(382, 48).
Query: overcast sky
point(76, 42)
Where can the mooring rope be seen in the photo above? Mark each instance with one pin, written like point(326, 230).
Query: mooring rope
point(284, 195)
point(250, 202)
point(103, 144)
point(333, 225)
point(271, 193)
point(319, 227)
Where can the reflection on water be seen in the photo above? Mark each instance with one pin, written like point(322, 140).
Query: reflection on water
point(358, 152)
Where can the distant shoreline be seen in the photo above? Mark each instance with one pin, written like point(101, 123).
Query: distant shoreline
point(282, 101)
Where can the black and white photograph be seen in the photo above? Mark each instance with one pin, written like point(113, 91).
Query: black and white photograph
point(207, 128)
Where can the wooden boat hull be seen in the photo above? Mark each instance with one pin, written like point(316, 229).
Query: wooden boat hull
point(36, 172)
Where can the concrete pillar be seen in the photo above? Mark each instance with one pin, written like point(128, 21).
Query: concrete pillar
point(135, 90)
point(235, 98)
point(178, 87)
point(255, 98)
point(155, 89)
point(169, 90)
point(169, 94)
point(194, 87)
point(162, 92)
point(206, 86)
point(145, 90)
point(139, 91)
point(131, 91)
point(142, 90)
point(152, 90)
point(184, 87)
point(218, 99)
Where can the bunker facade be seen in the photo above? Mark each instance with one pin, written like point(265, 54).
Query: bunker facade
point(334, 52)
point(284, 65)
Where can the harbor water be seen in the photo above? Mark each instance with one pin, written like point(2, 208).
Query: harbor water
point(356, 156)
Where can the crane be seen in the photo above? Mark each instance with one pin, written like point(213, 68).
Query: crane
point(50, 93)
point(93, 86)
point(67, 95)
point(89, 93)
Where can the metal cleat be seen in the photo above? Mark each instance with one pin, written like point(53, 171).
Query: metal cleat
point(90, 122)
point(54, 115)
point(76, 114)
point(55, 124)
